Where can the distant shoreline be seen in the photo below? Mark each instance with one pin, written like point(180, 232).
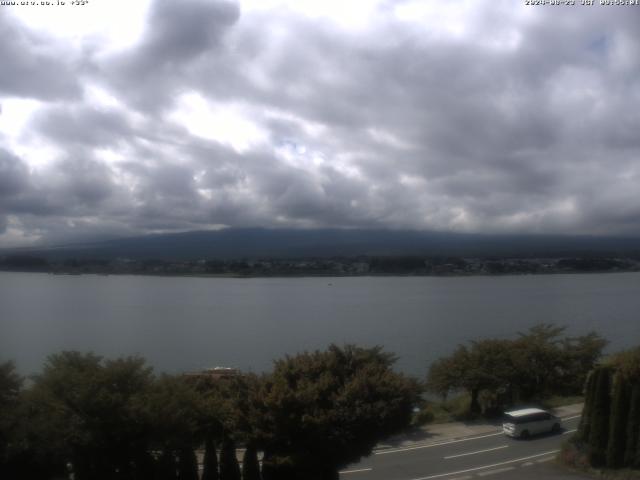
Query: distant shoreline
point(323, 275)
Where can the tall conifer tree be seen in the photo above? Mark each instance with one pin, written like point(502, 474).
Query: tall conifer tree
point(585, 421)
point(631, 458)
point(188, 464)
point(210, 468)
point(229, 467)
point(618, 422)
point(250, 465)
point(598, 436)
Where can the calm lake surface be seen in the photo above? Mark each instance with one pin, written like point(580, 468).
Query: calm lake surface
point(181, 323)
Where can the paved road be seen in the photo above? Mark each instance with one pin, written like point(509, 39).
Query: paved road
point(487, 455)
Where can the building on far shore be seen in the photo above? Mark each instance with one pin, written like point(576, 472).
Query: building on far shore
point(215, 373)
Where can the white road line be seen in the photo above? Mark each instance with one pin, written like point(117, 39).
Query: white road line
point(385, 452)
point(360, 470)
point(542, 460)
point(571, 418)
point(526, 464)
point(570, 431)
point(486, 466)
point(448, 442)
point(473, 453)
point(493, 472)
point(467, 477)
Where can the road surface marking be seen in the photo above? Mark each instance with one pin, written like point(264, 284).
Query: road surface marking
point(486, 466)
point(467, 477)
point(384, 452)
point(570, 431)
point(526, 464)
point(448, 442)
point(571, 418)
point(473, 453)
point(493, 472)
point(542, 460)
point(360, 470)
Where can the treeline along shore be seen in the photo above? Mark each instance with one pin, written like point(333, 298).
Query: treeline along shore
point(87, 417)
point(337, 266)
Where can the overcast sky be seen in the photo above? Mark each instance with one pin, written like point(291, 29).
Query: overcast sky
point(123, 117)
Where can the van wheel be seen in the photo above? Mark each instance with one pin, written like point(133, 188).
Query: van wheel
point(556, 428)
point(525, 434)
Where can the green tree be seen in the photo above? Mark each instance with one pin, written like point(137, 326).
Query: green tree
point(487, 365)
point(229, 467)
point(324, 410)
point(250, 465)
point(167, 467)
point(599, 435)
point(10, 386)
point(171, 411)
point(584, 427)
point(445, 374)
point(631, 457)
point(187, 464)
point(618, 422)
point(500, 372)
point(210, 467)
point(539, 361)
point(82, 410)
point(580, 356)
point(627, 363)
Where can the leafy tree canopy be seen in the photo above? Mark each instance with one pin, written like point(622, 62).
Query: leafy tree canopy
point(538, 363)
point(627, 363)
point(326, 409)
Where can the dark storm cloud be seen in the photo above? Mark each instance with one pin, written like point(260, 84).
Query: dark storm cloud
point(177, 34)
point(33, 65)
point(14, 175)
point(521, 123)
point(73, 185)
point(80, 125)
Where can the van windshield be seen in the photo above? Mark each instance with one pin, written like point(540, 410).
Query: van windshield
point(510, 419)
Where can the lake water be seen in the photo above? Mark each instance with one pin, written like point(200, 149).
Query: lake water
point(180, 323)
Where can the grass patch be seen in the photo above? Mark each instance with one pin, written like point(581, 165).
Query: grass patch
point(456, 409)
point(451, 410)
point(557, 401)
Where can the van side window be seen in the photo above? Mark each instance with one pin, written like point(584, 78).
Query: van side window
point(534, 417)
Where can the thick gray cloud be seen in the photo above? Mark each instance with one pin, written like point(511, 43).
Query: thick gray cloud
point(513, 121)
point(81, 125)
point(14, 175)
point(34, 66)
point(177, 35)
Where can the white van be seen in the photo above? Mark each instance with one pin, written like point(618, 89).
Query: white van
point(529, 421)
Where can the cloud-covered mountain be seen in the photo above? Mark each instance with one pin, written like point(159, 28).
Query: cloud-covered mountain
point(258, 243)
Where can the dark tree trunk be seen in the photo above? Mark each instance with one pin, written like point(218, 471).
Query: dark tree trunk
point(474, 408)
